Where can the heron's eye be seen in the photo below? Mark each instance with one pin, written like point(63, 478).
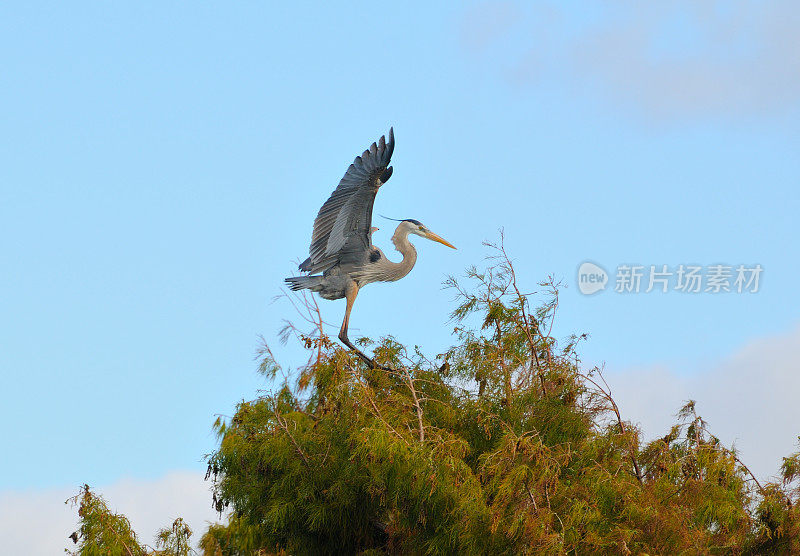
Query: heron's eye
point(422, 228)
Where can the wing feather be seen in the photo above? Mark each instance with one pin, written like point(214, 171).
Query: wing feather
point(342, 226)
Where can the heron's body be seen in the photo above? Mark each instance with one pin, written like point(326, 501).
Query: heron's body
point(374, 266)
point(342, 257)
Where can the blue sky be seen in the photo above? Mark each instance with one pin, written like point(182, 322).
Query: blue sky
point(161, 167)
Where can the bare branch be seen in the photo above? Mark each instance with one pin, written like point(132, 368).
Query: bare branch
point(416, 404)
point(285, 427)
point(606, 392)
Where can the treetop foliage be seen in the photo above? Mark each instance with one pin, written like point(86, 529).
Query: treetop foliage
point(503, 444)
point(104, 533)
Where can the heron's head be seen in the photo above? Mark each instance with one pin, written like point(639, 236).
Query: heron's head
point(418, 228)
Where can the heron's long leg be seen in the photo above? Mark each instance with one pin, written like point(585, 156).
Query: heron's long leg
point(350, 294)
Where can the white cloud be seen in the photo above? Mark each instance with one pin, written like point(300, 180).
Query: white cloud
point(38, 522)
point(668, 60)
point(750, 399)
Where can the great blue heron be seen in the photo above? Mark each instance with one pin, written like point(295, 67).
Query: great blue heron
point(341, 243)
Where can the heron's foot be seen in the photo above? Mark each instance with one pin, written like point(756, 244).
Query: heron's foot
point(363, 356)
point(346, 341)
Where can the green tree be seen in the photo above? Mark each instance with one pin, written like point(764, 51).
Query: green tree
point(101, 532)
point(503, 445)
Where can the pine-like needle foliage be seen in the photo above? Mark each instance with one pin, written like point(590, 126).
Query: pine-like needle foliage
point(101, 531)
point(105, 533)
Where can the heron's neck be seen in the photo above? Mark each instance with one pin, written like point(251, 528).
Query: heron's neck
point(401, 243)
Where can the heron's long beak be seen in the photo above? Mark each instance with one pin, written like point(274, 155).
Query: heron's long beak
point(439, 239)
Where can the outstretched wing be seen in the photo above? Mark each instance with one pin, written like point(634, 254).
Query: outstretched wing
point(342, 228)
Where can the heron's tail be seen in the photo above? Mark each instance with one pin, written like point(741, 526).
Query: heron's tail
point(313, 283)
